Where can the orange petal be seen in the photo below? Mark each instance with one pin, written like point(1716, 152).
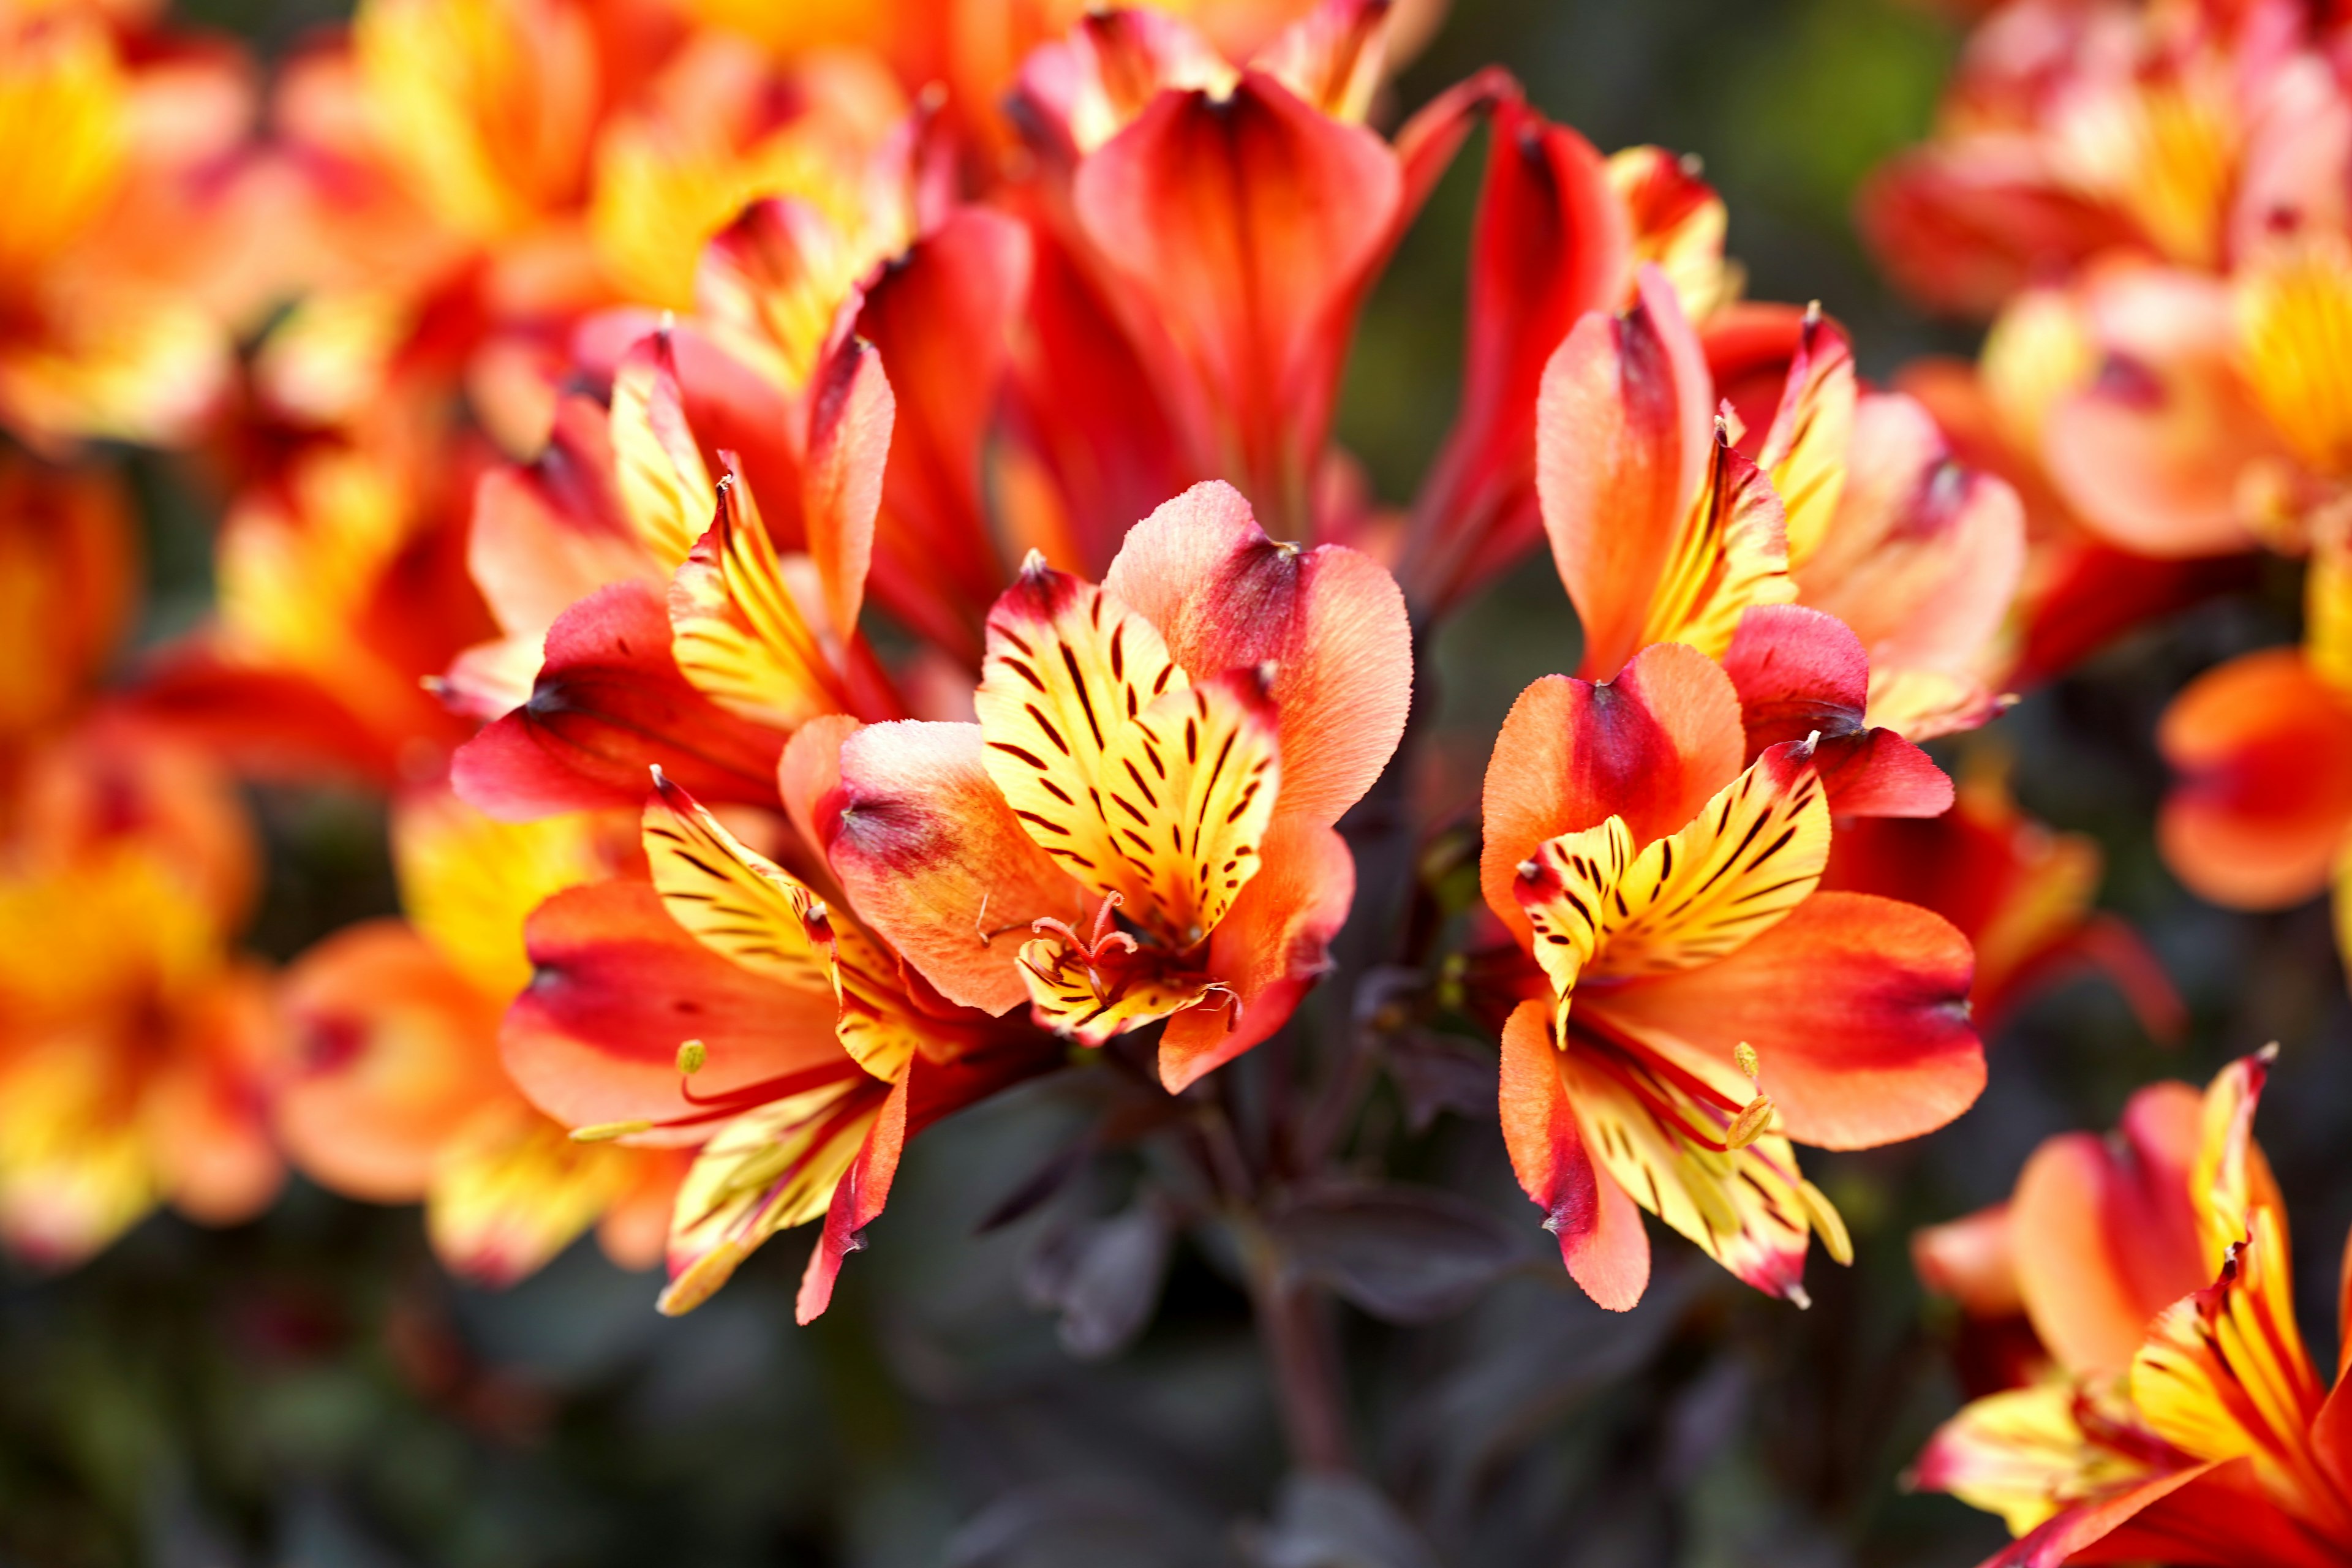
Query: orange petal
point(1622, 446)
point(1856, 1006)
point(2104, 1232)
point(936, 862)
point(1332, 621)
point(1971, 1260)
point(851, 411)
point(2263, 748)
point(1552, 242)
point(1601, 1239)
point(2153, 453)
point(1651, 746)
point(1269, 949)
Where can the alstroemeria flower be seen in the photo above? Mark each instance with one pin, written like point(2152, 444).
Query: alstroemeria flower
point(393, 1091)
point(815, 1054)
point(2176, 133)
point(128, 259)
point(1222, 225)
point(1146, 806)
point(1665, 528)
point(2189, 1424)
point(1702, 1004)
point(135, 1044)
point(514, 165)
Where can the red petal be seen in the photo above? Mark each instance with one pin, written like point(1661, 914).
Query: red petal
point(1225, 596)
point(1601, 1239)
point(620, 986)
point(608, 704)
point(1856, 1008)
point(851, 410)
point(1552, 242)
point(1652, 746)
point(935, 861)
point(1243, 224)
point(548, 533)
point(1621, 442)
point(1966, 236)
point(941, 317)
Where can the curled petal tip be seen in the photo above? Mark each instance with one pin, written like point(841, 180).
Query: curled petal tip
point(2268, 1054)
point(1797, 1294)
point(1032, 566)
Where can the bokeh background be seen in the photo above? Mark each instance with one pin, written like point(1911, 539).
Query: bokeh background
point(309, 1390)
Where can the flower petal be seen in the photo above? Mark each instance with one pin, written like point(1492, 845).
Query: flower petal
point(1601, 1240)
point(620, 986)
point(1330, 620)
point(1652, 746)
point(2263, 748)
point(936, 862)
point(1856, 1006)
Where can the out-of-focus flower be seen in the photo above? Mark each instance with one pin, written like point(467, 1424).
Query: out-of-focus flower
point(65, 568)
point(2020, 892)
point(484, 174)
point(134, 1044)
point(1701, 1004)
point(1206, 232)
point(394, 1091)
point(128, 252)
point(2174, 130)
point(2184, 1421)
point(1150, 790)
point(1666, 529)
point(2261, 813)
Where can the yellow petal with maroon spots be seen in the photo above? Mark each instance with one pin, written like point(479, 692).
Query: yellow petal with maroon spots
point(2028, 1453)
point(766, 1171)
point(1731, 554)
point(1565, 888)
point(666, 487)
point(1804, 452)
point(2224, 1375)
point(734, 900)
point(1091, 1001)
point(1188, 793)
point(1755, 852)
point(740, 903)
point(741, 621)
point(1661, 1136)
point(1067, 667)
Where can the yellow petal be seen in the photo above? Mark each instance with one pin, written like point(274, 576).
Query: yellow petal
point(2294, 328)
point(1091, 1002)
point(511, 1192)
point(741, 621)
point(666, 487)
point(1069, 667)
point(1730, 555)
point(2028, 1453)
point(64, 135)
point(469, 881)
point(766, 1171)
point(1804, 452)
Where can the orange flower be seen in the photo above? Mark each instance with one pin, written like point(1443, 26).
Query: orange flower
point(816, 1054)
point(1701, 1004)
point(2174, 131)
point(1150, 791)
point(1666, 529)
point(393, 1090)
point(2186, 1422)
point(134, 1044)
point(128, 246)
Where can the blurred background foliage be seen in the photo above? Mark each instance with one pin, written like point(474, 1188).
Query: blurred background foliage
point(310, 1390)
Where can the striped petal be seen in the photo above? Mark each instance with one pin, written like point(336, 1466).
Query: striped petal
point(742, 622)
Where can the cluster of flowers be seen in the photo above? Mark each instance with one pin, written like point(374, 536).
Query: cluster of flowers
point(2149, 201)
point(829, 538)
